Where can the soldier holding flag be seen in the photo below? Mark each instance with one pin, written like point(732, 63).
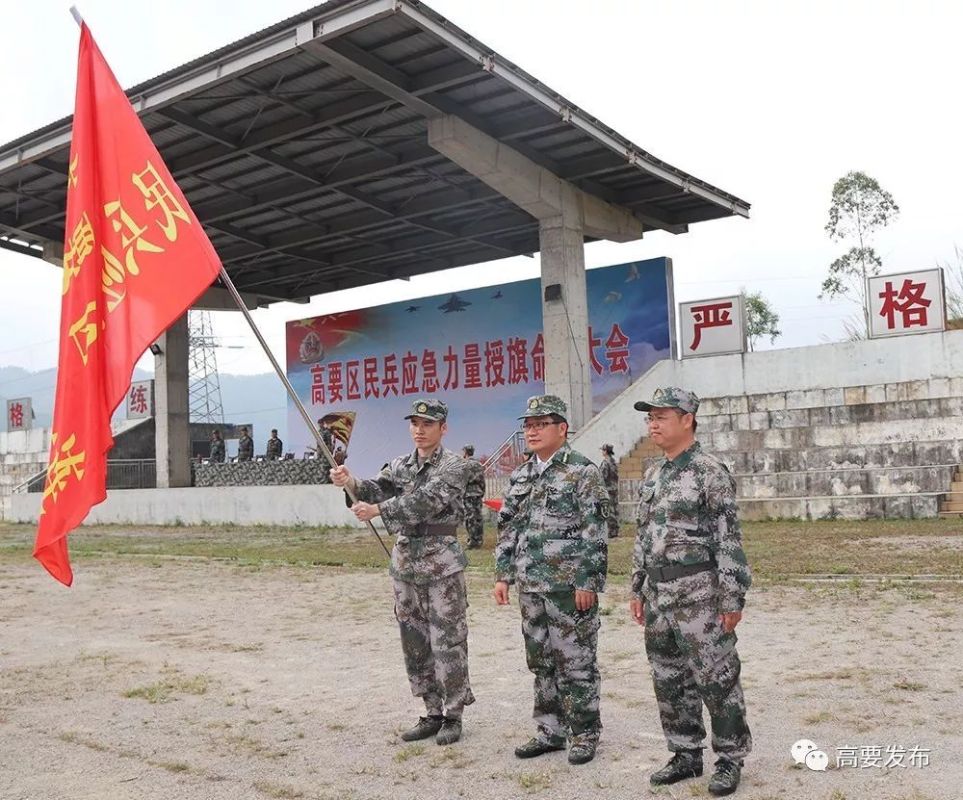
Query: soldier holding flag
point(420, 498)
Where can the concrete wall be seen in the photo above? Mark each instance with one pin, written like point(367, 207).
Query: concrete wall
point(822, 370)
point(247, 505)
point(22, 455)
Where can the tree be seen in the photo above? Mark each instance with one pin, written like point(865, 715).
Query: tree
point(953, 277)
point(761, 320)
point(860, 207)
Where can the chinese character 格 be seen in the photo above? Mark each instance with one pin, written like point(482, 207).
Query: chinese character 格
point(909, 302)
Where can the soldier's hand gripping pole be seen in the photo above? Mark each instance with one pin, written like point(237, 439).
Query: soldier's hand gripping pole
point(322, 447)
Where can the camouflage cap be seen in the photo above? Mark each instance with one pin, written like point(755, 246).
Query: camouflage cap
point(607, 448)
point(429, 408)
point(671, 397)
point(470, 449)
point(542, 405)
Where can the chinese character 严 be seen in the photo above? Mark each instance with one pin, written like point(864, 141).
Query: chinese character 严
point(713, 315)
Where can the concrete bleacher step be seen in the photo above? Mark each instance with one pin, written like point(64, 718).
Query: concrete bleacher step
point(892, 506)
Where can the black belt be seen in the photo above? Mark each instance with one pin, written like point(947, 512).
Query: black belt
point(670, 573)
point(428, 529)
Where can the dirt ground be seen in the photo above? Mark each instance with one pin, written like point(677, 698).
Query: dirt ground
point(193, 678)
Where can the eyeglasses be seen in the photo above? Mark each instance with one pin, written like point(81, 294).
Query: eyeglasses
point(656, 420)
point(537, 426)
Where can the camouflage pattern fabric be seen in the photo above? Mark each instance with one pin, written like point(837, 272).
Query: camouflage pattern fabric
point(328, 438)
point(610, 476)
point(245, 448)
point(552, 526)
point(695, 662)
point(433, 619)
point(217, 451)
point(409, 494)
point(551, 541)
point(274, 448)
point(687, 515)
point(474, 492)
point(560, 648)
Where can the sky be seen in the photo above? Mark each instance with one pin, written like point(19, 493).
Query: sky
point(769, 101)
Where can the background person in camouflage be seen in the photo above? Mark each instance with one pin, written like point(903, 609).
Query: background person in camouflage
point(217, 448)
point(552, 544)
point(474, 492)
point(245, 446)
point(689, 584)
point(420, 498)
point(274, 446)
point(327, 436)
point(610, 475)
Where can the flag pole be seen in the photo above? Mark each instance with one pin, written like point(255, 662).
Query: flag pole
point(322, 447)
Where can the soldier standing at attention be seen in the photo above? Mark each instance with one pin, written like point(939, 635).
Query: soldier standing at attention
point(474, 492)
point(217, 448)
point(552, 544)
point(245, 446)
point(274, 446)
point(610, 475)
point(420, 497)
point(689, 586)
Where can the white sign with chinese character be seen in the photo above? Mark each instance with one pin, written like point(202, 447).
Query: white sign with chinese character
point(712, 327)
point(140, 400)
point(19, 414)
point(907, 302)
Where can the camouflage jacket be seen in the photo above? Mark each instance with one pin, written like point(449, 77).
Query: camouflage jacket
point(410, 495)
point(245, 448)
point(217, 450)
point(476, 478)
point(610, 473)
point(552, 533)
point(274, 448)
point(687, 514)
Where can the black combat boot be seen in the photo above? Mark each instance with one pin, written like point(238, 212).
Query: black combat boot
point(425, 727)
point(582, 751)
point(726, 777)
point(450, 731)
point(684, 764)
point(538, 747)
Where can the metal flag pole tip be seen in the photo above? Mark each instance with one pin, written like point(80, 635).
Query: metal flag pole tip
point(76, 15)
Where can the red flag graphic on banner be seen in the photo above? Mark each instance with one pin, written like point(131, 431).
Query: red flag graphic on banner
point(135, 259)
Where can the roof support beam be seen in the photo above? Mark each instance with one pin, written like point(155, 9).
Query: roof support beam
point(531, 187)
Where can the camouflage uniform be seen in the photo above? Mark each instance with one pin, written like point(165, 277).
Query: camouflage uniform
point(551, 541)
point(422, 504)
point(274, 448)
point(328, 438)
point(474, 492)
point(245, 448)
point(687, 515)
point(217, 451)
point(610, 475)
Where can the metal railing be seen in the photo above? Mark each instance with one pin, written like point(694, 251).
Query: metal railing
point(122, 473)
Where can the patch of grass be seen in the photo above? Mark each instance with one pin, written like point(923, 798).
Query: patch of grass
point(535, 781)
point(172, 766)
point(817, 717)
point(408, 752)
point(909, 686)
point(277, 790)
point(164, 690)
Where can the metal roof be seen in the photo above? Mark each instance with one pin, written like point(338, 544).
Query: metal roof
point(303, 150)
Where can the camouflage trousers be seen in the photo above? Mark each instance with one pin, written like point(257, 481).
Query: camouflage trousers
point(613, 518)
point(433, 618)
point(560, 646)
point(695, 662)
point(473, 520)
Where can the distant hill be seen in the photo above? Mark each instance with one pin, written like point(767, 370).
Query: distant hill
point(259, 400)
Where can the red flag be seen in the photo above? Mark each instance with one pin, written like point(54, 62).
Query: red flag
point(135, 259)
point(494, 505)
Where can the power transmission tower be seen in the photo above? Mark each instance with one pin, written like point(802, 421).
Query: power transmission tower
point(204, 392)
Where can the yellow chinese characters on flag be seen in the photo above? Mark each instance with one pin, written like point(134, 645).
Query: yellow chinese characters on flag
point(135, 259)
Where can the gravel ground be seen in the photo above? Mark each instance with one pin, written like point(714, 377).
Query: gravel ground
point(178, 678)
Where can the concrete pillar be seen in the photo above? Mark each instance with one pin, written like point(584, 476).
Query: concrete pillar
point(565, 310)
point(172, 436)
